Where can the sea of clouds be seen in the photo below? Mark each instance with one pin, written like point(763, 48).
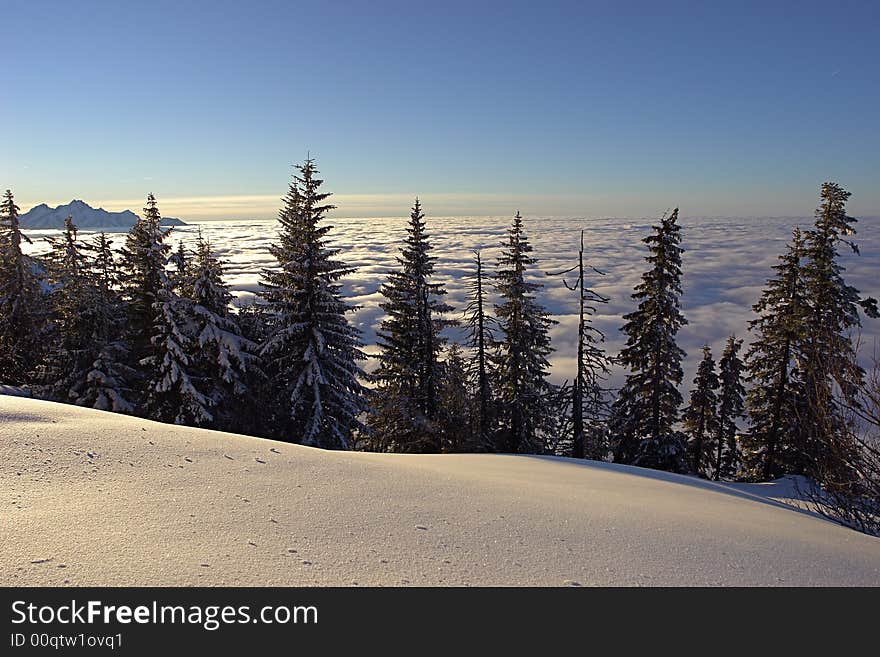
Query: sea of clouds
point(726, 264)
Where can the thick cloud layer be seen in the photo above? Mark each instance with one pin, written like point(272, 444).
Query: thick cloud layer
point(726, 263)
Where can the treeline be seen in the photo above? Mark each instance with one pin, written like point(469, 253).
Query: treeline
point(153, 333)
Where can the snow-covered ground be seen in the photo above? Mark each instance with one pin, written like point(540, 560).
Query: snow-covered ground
point(726, 264)
point(93, 498)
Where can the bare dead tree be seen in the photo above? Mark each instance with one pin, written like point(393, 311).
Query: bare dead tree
point(588, 396)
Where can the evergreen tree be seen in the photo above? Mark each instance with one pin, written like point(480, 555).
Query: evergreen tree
point(74, 307)
point(223, 359)
point(558, 431)
point(254, 321)
point(105, 273)
point(454, 405)
point(701, 416)
point(311, 353)
point(22, 307)
point(144, 279)
point(773, 444)
point(181, 277)
point(644, 415)
point(107, 384)
point(588, 403)
point(205, 279)
point(160, 326)
point(410, 342)
point(522, 364)
point(730, 409)
point(172, 392)
point(829, 366)
point(480, 339)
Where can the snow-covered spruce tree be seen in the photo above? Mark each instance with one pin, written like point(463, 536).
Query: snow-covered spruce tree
point(23, 311)
point(773, 443)
point(701, 416)
point(558, 429)
point(480, 338)
point(223, 360)
point(108, 382)
point(159, 326)
point(589, 404)
point(522, 366)
point(254, 320)
point(730, 409)
point(454, 405)
point(181, 276)
point(408, 376)
point(311, 353)
point(143, 277)
point(22, 305)
point(105, 277)
point(73, 304)
point(172, 390)
point(830, 369)
point(647, 407)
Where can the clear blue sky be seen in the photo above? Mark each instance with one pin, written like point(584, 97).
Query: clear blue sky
point(586, 108)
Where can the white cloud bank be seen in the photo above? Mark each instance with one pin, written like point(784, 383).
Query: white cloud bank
point(726, 264)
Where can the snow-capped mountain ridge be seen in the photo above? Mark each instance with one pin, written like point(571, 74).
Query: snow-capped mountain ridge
point(84, 216)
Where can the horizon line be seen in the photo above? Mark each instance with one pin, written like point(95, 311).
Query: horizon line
point(232, 207)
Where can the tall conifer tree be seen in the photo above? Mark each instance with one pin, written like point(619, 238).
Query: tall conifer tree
point(109, 380)
point(181, 276)
point(75, 312)
point(311, 353)
point(144, 278)
point(830, 369)
point(647, 408)
point(22, 306)
point(523, 348)
point(159, 325)
point(222, 358)
point(773, 443)
point(454, 419)
point(173, 392)
point(730, 409)
point(701, 416)
point(410, 341)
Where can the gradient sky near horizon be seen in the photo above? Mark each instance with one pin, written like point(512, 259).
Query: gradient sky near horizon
point(555, 108)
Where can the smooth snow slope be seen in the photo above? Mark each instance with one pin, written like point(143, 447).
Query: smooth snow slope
point(92, 498)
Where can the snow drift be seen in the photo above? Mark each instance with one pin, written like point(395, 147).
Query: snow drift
point(93, 498)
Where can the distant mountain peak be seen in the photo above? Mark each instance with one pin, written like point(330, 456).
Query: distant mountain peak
point(84, 216)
